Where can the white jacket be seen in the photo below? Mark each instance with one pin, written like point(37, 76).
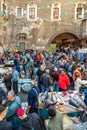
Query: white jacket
point(78, 83)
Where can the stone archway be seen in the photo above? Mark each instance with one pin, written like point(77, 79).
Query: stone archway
point(21, 39)
point(64, 38)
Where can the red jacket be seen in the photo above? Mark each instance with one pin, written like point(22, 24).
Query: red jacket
point(63, 81)
point(38, 58)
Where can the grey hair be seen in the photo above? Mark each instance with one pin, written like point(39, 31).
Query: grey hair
point(12, 93)
point(47, 71)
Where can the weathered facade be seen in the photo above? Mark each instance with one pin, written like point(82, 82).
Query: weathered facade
point(38, 23)
point(84, 29)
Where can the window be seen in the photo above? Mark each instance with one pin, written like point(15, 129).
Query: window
point(56, 11)
point(19, 11)
point(79, 11)
point(32, 11)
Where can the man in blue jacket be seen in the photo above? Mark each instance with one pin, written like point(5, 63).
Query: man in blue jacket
point(33, 98)
point(15, 77)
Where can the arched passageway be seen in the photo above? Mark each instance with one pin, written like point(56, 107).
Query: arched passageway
point(65, 39)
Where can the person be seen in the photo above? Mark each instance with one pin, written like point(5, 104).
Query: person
point(78, 82)
point(2, 95)
point(39, 74)
point(24, 64)
point(14, 104)
point(31, 69)
point(30, 121)
point(55, 76)
point(17, 62)
point(45, 81)
point(4, 125)
point(33, 98)
point(77, 70)
point(15, 77)
point(56, 119)
point(63, 81)
point(38, 58)
point(7, 80)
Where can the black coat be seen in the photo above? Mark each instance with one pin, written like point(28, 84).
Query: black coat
point(2, 94)
point(31, 121)
point(39, 74)
point(7, 80)
point(4, 125)
point(46, 80)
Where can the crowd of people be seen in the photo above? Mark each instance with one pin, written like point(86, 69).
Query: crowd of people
point(59, 71)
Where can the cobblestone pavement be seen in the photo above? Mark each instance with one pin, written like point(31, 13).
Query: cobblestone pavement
point(23, 96)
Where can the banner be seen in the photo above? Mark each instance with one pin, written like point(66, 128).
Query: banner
point(52, 47)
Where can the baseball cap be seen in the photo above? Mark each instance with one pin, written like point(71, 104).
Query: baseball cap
point(20, 112)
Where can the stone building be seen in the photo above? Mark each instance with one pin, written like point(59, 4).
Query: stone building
point(39, 23)
point(84, 29)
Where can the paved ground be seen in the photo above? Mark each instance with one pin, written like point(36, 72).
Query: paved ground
point(23, 96)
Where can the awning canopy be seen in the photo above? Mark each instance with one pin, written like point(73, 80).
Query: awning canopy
point(70, 40)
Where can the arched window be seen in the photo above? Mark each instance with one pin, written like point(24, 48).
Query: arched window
point(79, 11)
point(56, 11)
point(32, 11)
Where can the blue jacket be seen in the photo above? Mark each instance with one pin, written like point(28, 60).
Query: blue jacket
point(4, 125)
point(15, 76)
point(11, 113)
point(33, 97)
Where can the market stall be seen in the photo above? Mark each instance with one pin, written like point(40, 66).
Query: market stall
point(67, 102)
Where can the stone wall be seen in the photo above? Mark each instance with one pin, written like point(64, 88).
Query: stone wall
point(40, 32)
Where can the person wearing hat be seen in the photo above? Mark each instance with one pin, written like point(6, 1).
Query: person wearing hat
point(4, 125)
point(30, 121)
point(33, 98)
